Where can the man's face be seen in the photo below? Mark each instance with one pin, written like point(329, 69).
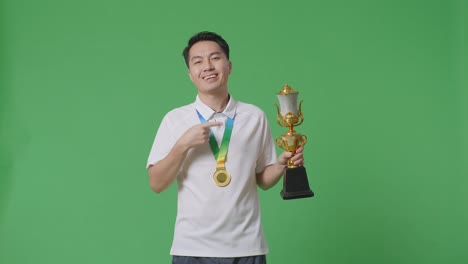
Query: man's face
point(209, 67)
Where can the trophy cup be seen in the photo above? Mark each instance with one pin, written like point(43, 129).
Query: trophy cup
point(295, 182)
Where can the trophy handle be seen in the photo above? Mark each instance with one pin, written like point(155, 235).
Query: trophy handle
point(303, 140)
point(280, 143)
point(299, 113)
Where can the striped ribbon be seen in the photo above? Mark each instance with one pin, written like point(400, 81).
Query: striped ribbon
point(220, 152)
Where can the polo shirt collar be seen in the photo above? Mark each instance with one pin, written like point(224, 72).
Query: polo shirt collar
point(207, 112)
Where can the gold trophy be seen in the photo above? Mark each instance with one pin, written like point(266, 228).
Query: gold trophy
point(295, 182)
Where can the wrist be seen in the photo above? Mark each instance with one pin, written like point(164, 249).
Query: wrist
point(181, 148)
point(281, 168)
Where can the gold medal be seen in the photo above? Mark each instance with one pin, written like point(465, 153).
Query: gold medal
point(222, 177)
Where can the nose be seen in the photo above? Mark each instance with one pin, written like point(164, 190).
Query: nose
point(208, 66)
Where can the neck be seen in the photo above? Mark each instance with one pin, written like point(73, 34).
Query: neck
point(215, 102)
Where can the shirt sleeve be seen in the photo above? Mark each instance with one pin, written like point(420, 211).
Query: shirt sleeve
point(267, 153)
point(162, 144)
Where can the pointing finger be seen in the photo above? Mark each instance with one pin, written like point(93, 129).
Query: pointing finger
point(211, 124)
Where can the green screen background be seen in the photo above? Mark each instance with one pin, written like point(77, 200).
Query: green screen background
point(84, 85)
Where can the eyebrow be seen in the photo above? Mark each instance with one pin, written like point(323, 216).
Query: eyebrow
point(211, 54)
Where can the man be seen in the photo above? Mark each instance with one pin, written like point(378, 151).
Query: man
point(219, 150)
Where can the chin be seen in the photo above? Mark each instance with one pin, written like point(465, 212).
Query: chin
point(212, 88)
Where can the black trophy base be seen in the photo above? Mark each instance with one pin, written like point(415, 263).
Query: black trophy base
point(296, 184)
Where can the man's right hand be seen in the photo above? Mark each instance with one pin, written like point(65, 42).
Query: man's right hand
point(197, 135)
point(164, 172)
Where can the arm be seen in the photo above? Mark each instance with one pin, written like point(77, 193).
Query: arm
point(163, 173)
point(272, 173)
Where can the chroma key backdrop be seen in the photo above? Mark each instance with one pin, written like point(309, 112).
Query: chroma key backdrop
point(85, 84)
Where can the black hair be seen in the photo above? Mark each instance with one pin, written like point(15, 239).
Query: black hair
point(205, 36)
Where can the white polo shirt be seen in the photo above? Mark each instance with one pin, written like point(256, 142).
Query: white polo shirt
point(217, 221)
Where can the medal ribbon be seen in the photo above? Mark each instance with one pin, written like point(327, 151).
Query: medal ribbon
point(220, 153)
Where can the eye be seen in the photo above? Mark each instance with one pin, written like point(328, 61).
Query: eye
point(215, 58)
point(197, 62)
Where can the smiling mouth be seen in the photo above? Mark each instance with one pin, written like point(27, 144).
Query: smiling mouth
point(209, 77)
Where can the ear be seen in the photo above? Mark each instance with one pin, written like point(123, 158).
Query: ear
point(230, 67)
point(190, 76)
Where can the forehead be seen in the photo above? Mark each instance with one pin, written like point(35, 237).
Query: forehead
point(204, 48)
